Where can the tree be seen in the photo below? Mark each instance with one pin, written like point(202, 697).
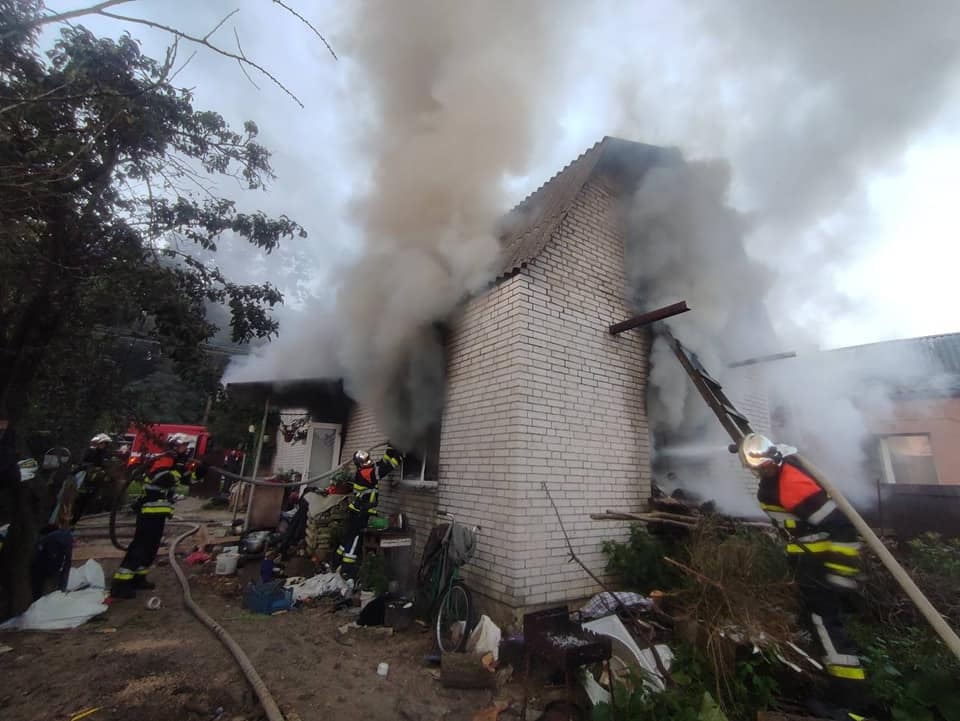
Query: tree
point(107, 187)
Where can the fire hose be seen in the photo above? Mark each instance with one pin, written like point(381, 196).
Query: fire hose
point(265, 481)
point(934, 618)
point(259, 687)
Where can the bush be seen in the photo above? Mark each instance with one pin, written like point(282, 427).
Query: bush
point(638, 564)
point(910, 672)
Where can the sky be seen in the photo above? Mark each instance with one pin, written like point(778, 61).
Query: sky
point(880, 233)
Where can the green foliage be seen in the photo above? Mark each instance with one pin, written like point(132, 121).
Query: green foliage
point(638, 563)
point(932, 554)
point(751, 689)
point(910, 672)
point(108, 218)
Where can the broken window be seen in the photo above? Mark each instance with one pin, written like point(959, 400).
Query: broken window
point(423, 462)
point(908, 459)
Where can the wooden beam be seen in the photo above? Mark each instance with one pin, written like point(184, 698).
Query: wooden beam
point(643, 319)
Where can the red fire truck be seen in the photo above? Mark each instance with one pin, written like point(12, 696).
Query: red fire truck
point(140, 441)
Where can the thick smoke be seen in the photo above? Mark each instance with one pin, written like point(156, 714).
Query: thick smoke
point(454, 100)
point(826, 95)
point(802, 101)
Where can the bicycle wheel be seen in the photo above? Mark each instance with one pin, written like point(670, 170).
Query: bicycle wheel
point(454, 618)
point(122, 516)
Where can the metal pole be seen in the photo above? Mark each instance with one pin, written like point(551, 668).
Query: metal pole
point(647, 318)
point(933, 616)
point(256, 463)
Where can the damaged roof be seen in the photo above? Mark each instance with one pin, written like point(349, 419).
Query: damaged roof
point(531, 224)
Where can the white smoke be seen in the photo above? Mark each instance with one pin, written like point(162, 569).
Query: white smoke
point(457, 96)
point(454, 100)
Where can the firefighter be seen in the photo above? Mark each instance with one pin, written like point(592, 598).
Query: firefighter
point(94, 464)
point(154, 507)
point(363, 505)
point(825, 550)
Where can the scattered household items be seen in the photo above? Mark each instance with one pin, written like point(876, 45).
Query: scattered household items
point(197, 557)
point(399, 614)
point(59, 610)
point(603, 604)
point(323, 584)
point(627, 659)
point(553, 640)
point(268, 598)
point(485, 638)
point(154, 603)
point(227, 561)
point(254, 543)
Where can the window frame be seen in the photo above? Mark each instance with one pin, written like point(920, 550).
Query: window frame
point(886, 461)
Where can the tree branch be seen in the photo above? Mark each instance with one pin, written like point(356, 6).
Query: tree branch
point(71, 14)
point(306, 22)
point(207, 44)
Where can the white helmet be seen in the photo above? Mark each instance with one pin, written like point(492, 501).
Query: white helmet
point(100, 438)
point(177, 439)
point(28, 469)
point(757, 451)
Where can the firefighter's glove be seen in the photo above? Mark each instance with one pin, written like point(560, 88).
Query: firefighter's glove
point(393, 456)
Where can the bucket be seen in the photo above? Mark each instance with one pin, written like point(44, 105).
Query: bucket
point(227, 564)
point(365, 598)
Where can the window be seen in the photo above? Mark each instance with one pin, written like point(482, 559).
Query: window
point(908, 459)
point(423, 462)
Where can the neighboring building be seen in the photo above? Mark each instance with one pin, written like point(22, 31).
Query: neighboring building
point(907, 396)
point(915, 454)
point(538, 392)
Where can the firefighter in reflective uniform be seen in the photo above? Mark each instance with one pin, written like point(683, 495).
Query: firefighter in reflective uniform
point(363, 505)
point(153, 510)
point(825, 551)
point(94, 463)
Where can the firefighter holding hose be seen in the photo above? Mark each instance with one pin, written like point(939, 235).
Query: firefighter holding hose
point(825, 550)
point(153, 509)
point(363, 505)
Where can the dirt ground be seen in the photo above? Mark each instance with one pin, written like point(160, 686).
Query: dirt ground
point(134, 663)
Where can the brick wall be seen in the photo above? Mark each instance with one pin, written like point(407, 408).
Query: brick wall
point(484, 435)
point(580, 403)
point(539, 391)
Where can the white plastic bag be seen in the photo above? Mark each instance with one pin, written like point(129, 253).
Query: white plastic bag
point(59, 610)
point(485, 638)
point(89, 575)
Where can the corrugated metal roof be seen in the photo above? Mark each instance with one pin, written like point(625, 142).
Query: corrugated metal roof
point(940, 351)
point(931, 362)
point(531, 224)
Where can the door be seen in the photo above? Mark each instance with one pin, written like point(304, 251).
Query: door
point(323, 449)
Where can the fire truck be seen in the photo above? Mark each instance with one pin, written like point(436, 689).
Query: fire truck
point(140, 442)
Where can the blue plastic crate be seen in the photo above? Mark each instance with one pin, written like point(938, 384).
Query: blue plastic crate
point(268, 597)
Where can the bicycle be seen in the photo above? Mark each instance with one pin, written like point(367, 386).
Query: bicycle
point(451, 604)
